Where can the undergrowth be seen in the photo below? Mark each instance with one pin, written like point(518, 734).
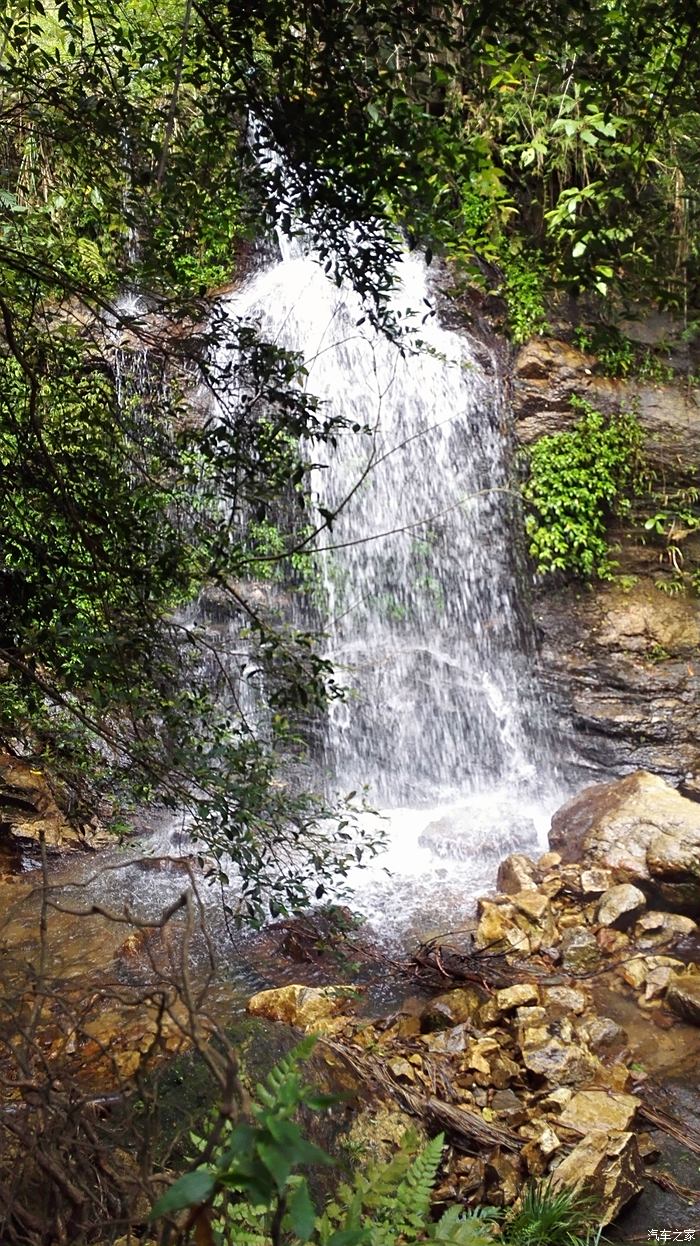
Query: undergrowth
point(248, 1185)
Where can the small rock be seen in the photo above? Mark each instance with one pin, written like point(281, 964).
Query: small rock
point(634, 972)
point(514, 996)
point(595, 881)
point(515, 874)
point(507, 1170)
point(449, 1042)
point(533, 1036)
point(498, 929)
point(602, 1033)
point(531, 1015)
point(683, 996)
point(508, 1107)
point(612, 942)
point(531, 904)
point(549, 861)
point(451, 1008)
point(654, 928)
point(607, 1168)
point(580, 952)
point(560, 1001)
point(555, 1100)
point(599, 1109)
point(620, 905)
point(560, 1063)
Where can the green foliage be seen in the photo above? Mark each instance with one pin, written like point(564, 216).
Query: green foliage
point(549, 1216)
point(249, 1183)
point(248, 1188)
point(577, 480)
point(619, 356)
point(676, 517)
point(523, 289)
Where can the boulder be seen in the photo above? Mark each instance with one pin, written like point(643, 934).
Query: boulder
point(305, 1007)
point(606, 1167)
point(683, 996)
point(599, 1109)
point(639, 828)
point(620, 905)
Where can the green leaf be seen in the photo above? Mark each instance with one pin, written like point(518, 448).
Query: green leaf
point(301, 1212)
point(188, 1191)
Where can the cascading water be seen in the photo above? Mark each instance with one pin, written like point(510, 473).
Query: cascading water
point(442, 721)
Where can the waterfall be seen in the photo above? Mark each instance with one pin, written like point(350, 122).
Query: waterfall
point(423, 615)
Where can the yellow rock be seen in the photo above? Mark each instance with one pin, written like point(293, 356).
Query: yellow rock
point(306, 1007)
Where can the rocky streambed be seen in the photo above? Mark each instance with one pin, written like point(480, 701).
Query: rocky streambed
point(556, 1034)
point(566, 1039)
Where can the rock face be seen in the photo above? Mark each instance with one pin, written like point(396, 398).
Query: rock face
point(642, 831)
point(548, 372)
point(29, 811)
point(621, 671)
point(618, 659)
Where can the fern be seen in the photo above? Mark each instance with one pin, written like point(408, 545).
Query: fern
point(411, 1204)
point(455, 1228)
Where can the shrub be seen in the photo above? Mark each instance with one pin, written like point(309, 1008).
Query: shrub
point(577, 481)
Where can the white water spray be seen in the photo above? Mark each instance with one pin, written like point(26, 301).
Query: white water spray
point(443, 721)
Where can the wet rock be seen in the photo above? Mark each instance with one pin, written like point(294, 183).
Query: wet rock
point(640, 829)
point(620, 905)
point(497, 928)
point(531, 904)
point(599, 1109)
point(580, 952)
point(634, 972)
point(560, 1063)
point(683, 996)
point(515, 996)
point(451, 1008)
point(516, 873)
point(612, 942)
point(30, 812)
point(595, 881)
point(602, 1033)
point(305, 1007)
point(605, 1167)
point(653, 929)
point(561, 1001)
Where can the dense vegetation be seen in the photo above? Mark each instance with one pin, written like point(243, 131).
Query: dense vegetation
point(540, 149)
